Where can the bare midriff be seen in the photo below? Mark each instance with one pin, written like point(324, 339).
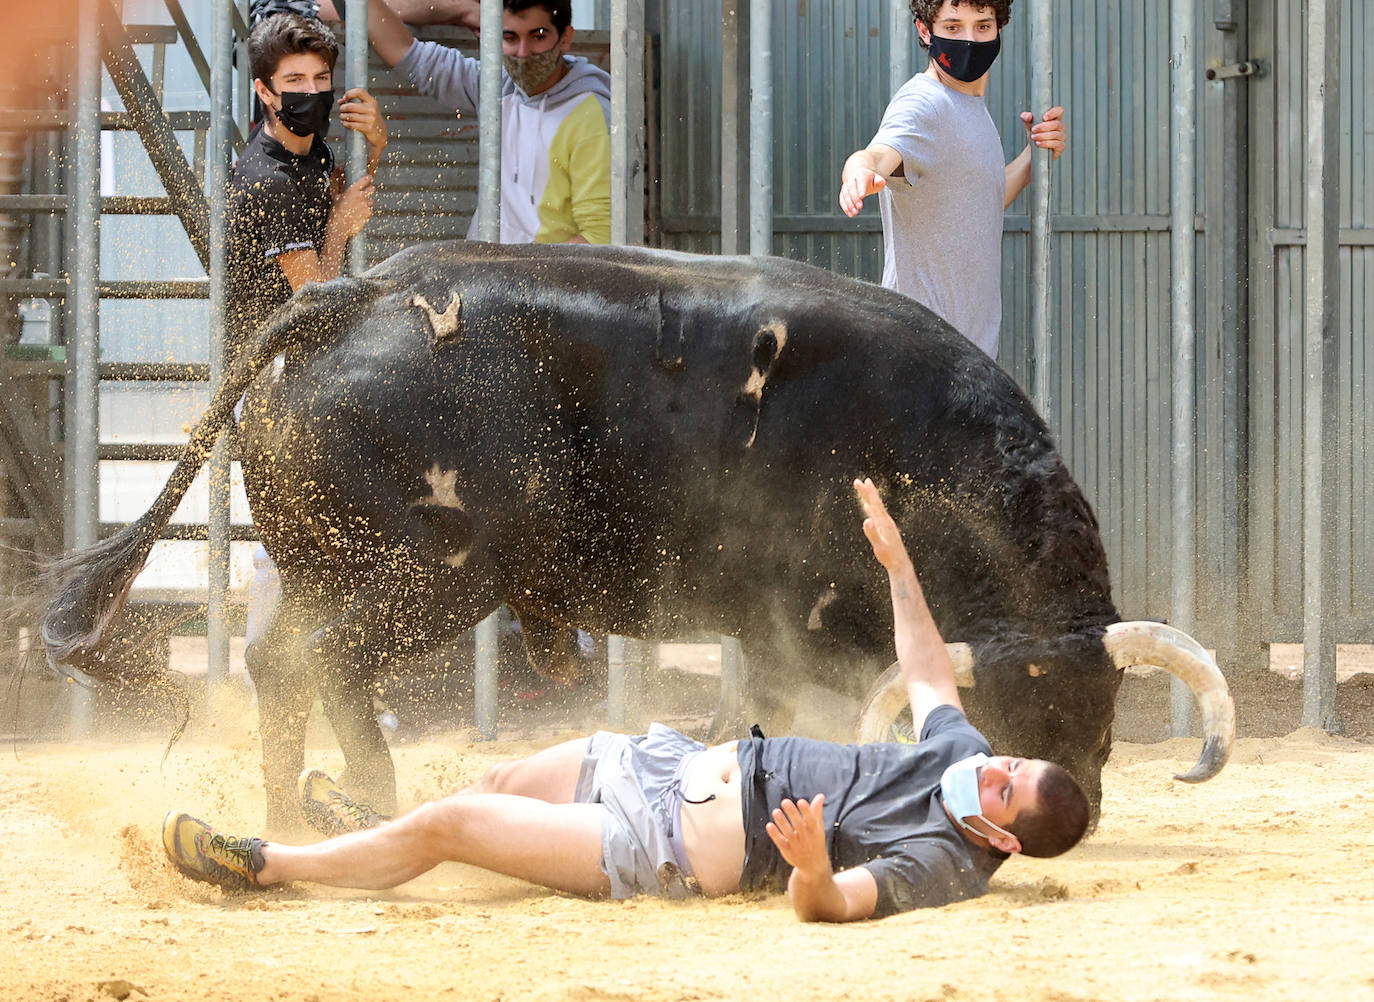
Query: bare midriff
point(712, 819)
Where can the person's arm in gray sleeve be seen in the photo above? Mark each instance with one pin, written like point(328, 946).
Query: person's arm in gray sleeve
point(436, 71)
point(444, 74)
point(387, 33)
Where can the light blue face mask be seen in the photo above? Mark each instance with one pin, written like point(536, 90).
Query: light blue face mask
point(959, 787)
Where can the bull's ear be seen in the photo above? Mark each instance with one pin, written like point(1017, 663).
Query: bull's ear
point(768, 343)
point(763, 356)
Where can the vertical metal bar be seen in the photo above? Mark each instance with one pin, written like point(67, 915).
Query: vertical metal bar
point(899, 44)
point(627, 122)
point(626, 658)
point(217, 160)
point(617, 671)
point(729, 121)
point(355, 75)
point(159, 70)
point(1321, 278)
point(489, 127)
point(760, 127)
point(487, 638)
point(734, 136)
point(244, 89)
point(488, 229)
point(83, 402)
point(1183, 122)
point(731, 677)
point(198, 139)
point(1228, 616)
point(1042, 94)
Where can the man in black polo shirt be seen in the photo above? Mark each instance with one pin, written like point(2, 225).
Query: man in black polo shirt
point(851, 831)
point(290, 217)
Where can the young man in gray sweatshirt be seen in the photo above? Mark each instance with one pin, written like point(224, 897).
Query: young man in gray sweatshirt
point(556, 141)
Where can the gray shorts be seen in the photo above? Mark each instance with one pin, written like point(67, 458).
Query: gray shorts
point(638, 780)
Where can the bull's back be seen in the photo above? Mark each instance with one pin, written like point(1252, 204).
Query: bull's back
point(645, 426)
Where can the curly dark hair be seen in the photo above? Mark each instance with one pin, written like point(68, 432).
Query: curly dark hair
point(926, 11)
point(280, 35)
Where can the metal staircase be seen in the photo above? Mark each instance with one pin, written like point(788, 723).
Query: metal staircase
point(50, 213)
point(50, 373)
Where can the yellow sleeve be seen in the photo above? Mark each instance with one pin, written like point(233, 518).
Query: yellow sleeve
point(577, 198)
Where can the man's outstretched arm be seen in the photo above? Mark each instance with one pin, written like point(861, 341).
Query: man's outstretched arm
point(926, 667)
point(865, 173)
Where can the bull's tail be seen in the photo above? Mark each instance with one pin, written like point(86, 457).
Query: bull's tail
point(96, 581)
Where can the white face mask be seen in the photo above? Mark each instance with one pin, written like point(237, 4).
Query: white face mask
point(959, 788)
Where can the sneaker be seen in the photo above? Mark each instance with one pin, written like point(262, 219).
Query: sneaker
point(202, 853)
point(329, 810)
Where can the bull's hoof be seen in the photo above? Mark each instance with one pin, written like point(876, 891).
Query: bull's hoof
point(379, 794)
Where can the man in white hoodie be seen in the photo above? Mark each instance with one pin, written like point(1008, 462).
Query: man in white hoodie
point(556, 141)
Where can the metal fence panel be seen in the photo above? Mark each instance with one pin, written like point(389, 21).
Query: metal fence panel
point(1276, 554)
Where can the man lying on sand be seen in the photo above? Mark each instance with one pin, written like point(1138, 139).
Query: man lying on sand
point(851, 831)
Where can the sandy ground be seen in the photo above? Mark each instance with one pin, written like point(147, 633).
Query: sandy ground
point(1253, 886)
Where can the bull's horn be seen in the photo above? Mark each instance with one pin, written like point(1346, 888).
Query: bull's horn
point(887, 698)
point(1173, 650)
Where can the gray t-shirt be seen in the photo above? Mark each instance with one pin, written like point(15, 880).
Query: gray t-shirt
point(883, 810)
point(942, 222)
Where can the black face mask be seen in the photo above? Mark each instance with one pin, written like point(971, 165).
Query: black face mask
point(306, 114)
point(964, 60)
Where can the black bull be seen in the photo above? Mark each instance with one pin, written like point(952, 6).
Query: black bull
point(641, 443)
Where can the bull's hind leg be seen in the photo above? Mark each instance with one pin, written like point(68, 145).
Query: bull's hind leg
point(285, 692)
point(369, 774)
point(384, 625)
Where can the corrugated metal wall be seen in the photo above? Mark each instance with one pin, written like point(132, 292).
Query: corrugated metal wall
point(1277, 181)
point(1111, 370)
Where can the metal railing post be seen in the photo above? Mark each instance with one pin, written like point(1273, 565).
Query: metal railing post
point(1042, 93)
point(760, 127)
point(1321, 354)
point(489, 229)
point(732, 679)
point(486, 637)
point(734, 132)
point(489, 127)
point(83, 385)
point(217, 161)
point(625, 662)
point(627, 122)
point(1183, 123)
point(355, 75)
